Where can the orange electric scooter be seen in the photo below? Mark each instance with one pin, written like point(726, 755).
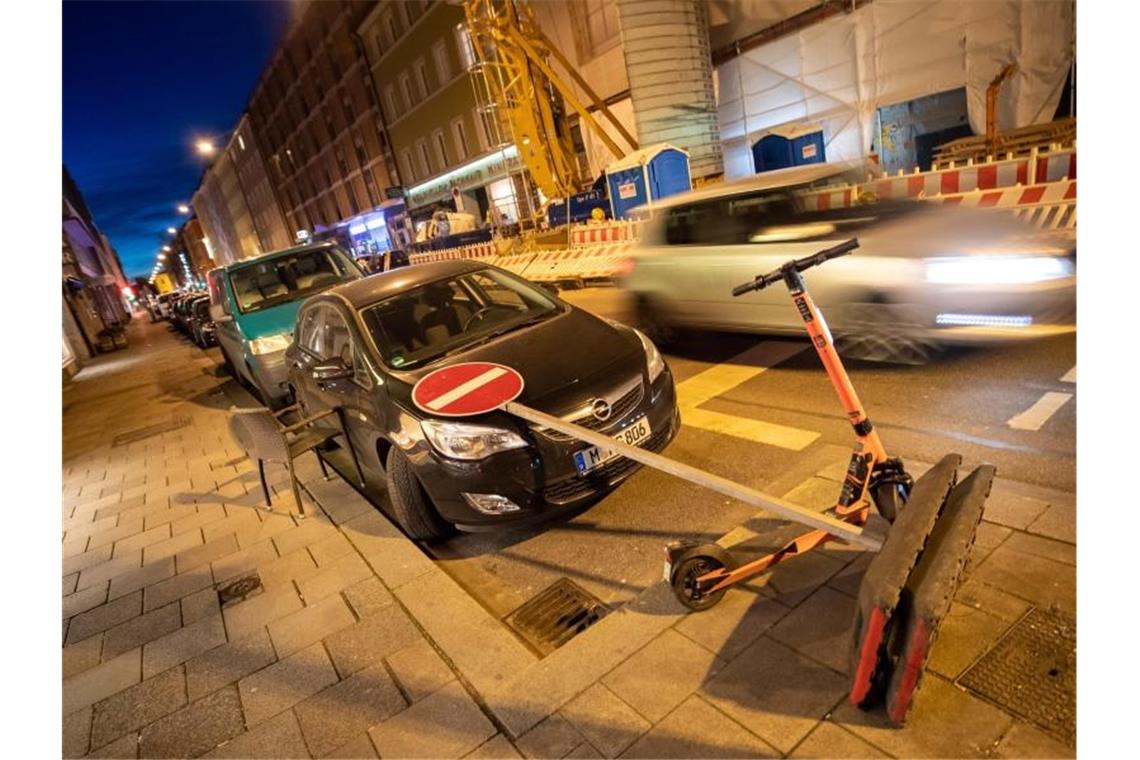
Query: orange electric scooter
point(701, 573)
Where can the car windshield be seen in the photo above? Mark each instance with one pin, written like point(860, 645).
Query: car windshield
point(453, 314)
point(287, 278)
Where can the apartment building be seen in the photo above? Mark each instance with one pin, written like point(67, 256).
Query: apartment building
point(260, 198)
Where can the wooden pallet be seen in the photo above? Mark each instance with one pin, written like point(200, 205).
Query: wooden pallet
point(1017, 142)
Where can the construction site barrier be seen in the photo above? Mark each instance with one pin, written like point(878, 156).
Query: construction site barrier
point(475, 251)
point(612, 231)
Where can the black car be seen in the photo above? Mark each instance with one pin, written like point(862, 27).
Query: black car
point(362, 346)
point(202, 329)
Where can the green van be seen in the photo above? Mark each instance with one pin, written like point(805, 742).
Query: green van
point(254, 305)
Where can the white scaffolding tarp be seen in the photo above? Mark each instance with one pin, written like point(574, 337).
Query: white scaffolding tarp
point(840, 71)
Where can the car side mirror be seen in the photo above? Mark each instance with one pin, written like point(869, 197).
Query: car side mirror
point(217, 314)
point(334, 369)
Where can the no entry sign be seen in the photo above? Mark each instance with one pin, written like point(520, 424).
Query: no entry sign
point(467, 389)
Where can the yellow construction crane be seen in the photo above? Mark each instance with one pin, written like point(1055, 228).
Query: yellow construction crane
point(521, 92)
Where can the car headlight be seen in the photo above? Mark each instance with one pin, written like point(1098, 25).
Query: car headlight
point(460, 440)
point(997, 270)
point(270, 344)
point(652, 356)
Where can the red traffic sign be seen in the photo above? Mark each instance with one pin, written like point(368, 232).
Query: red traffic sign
point(467, 389)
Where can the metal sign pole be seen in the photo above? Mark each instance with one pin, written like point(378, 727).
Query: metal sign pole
point(841, 530)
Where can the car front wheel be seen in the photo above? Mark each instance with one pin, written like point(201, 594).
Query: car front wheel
point(411, 505)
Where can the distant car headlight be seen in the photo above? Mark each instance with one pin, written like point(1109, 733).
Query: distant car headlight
point(997, 270)
point(270, 344)
point(460, 440)
point(652, 356)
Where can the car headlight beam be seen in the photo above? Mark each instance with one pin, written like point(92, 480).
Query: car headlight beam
point(270, 344)
point(460, 440)
point(996, 270)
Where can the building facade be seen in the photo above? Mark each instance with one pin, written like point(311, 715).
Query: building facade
point(260, 197)
point(316, 121)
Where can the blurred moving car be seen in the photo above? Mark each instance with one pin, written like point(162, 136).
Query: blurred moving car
point(254, 305)
point(925, 275)
point(363, 346)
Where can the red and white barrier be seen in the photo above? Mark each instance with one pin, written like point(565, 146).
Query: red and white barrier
point(605, 232)
point(474, 251)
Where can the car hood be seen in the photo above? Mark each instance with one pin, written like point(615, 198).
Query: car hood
point(564, 361)
point(271, 321)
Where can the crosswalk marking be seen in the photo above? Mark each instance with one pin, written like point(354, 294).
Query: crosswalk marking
point(722, 378)
point(1070, 376)
point(1037, 415)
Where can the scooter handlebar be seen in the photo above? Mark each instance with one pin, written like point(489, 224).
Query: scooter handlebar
point(799, 265)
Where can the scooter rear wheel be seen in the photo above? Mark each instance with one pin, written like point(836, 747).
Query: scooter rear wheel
point(684, 582)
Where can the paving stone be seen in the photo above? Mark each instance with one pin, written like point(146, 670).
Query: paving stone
point(249, 615)
point(446, 724)
point(696, 729)
point(270, 525)
point(203, 515)
point(584, 751)
point(196, 728)
point(133, 708)
point(1012, 510)
point(329, 550)
point(1058, 522)
point(140, 630)
point(775, 693)
point(368, 597)
point(241, 562)
point(76, 732)
point(1023, 740)
point(337, 575)
point(140, 540)
point(278, 737)
point(662, 674)
point(966, 633)
point(795, 581)
point(287, 568)
point(972, 732)
point(174, 545)
point(105, 539)
point(308, 532)
point(1039, 546)
point(178, 647)
point(169, 515)
point(81, 601)
point(124, 747)
point(285, 683)
point(172, 589)
point(553, 737)
point(82, 655)
point(847, 580)
point(75, 546)
point(199, 605)
point(734, 623)
point(206, 553)
point(228, 663)
point(1039, 580)
point(97, 575)
point(498, 748)
point(992, 600)
point(419, 670)
point(144, 576)
point(105, 616)
point(371, 639)
point(819, 628)
point(310, 624)
point(86, 527)
point(830, 741)
point(330, 718)
point(240, 521)
point(89, 558)
point(609, 724)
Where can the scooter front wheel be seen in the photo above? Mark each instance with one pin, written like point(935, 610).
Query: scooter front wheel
point(694, 563)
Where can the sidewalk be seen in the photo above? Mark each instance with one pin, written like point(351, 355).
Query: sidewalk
point(357, 645)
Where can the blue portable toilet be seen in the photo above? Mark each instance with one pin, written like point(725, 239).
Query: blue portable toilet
point(788, 145)
point(645, 176)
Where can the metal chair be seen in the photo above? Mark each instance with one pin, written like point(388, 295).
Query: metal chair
point(264, 437)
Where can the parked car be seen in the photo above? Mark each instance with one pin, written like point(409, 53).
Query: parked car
point(184, 312)
point(202, 328)
point(925, 275)
point(254, 304)
point(363, 346)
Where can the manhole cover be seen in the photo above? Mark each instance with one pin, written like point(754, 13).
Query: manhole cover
point(151, 430)
point(556, 615)
point(1032, 672)
point(239, 589)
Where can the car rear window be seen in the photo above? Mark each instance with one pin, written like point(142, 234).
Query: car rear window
point(286, 278)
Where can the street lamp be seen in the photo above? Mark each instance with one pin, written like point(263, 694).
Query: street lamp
point(183, 208)
point(205, 147)
point(162, 257)
point(166, 248)
point(171, 231)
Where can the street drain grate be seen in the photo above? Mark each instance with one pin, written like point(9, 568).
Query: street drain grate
point(139, 434)
point(556, 615)
point(1032, 672)
point(239, 589)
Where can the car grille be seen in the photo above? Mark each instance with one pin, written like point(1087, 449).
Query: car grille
point(626, 403)
point(578, 486)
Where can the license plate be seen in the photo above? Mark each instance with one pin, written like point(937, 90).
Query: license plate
point(595, 456)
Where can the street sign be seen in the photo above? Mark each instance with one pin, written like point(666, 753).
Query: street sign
point(467, 389)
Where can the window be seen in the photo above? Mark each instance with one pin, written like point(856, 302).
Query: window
point(421, 78)
point(460, 133)
point(241, 142)
point(308, 331)
point(341, 162)
point(442, 64)
point(596, 27)
point(288, 278)
point(440, 148)
point(425, 160)
point(728, 221)
point(487, 132)
point(392, 29)
point(390, 102)
point(466, 49)
point(407, 166)
point(406, 86)
point(361, 153)
point(349, 111)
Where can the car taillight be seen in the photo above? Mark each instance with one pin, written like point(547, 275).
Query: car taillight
point(625, 267)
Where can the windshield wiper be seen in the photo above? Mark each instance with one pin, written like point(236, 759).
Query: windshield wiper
point(495, 334)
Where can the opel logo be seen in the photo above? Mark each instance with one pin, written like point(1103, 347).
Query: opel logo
point(601, 409)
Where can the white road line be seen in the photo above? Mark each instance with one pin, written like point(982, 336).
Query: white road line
point(1070, 376)
point(473, 384)
point(1036, 416)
